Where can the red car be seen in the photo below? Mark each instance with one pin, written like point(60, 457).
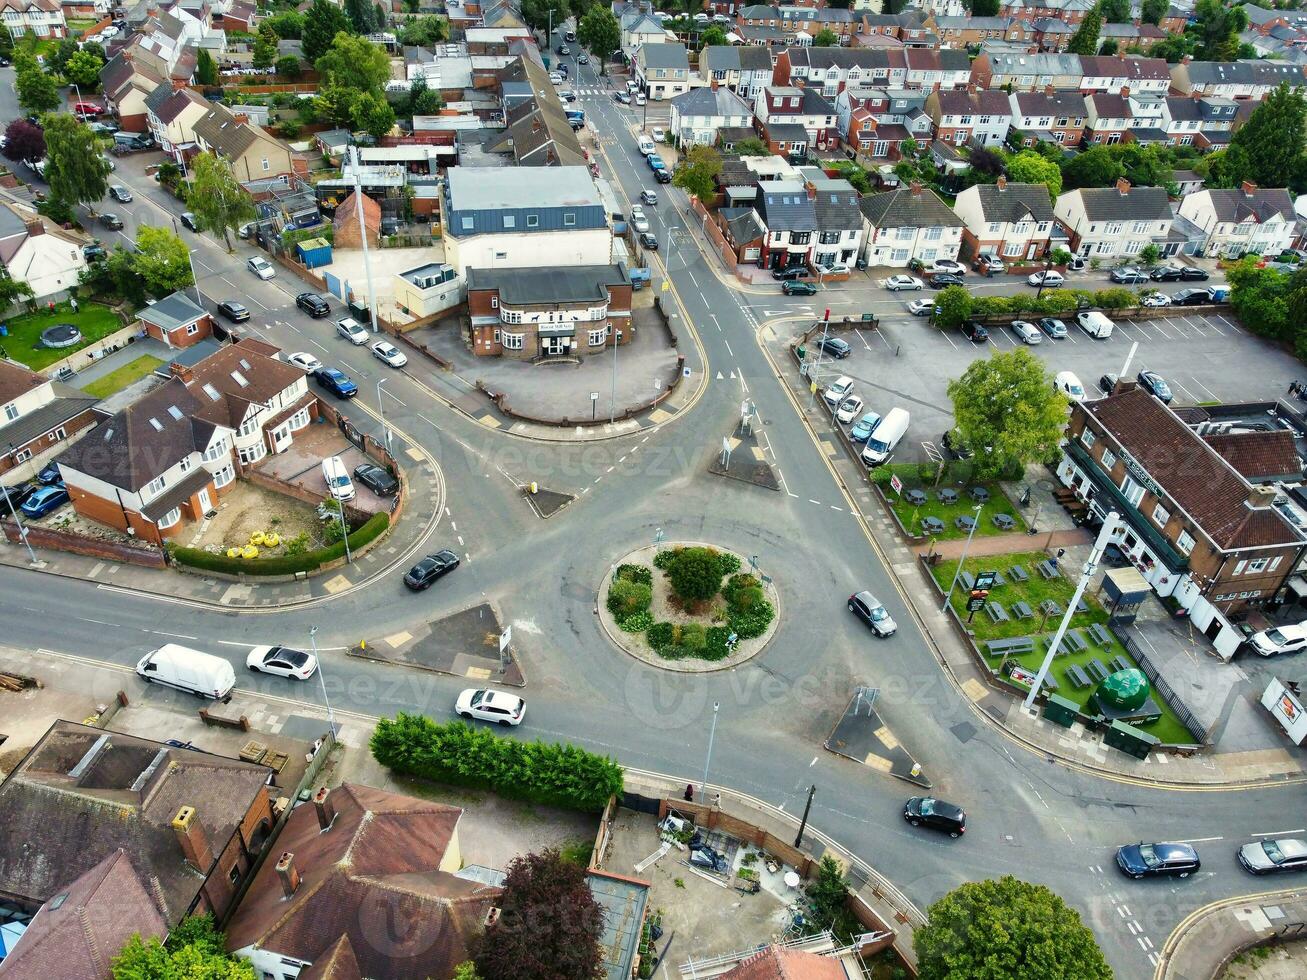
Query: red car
point(88, 109)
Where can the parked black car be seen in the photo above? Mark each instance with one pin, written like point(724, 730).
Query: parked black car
point(1192, 297)
point(111, 221)
point(791, 273)
point(11, 498)
point(1129, 276)
point(834, 346)
point(1155, 385)
point(1178, 273)
point(376, 479)
point(663, 176)
point(49, 475)
point(923, 811)
point(312, 304)
point(798, 288)
point(975, 331)
point(1106, 383)
point(942, 279)
point(190, 221)
point(1148, 860)
point(233, 311)
point(430, 568)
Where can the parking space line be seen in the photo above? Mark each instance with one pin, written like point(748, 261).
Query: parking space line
point(1211, 322)
point(944, 334)
point(1188, 394)
point(1233, 326)
point(1208, 391)
point(1194, 325)
point(1163, 332)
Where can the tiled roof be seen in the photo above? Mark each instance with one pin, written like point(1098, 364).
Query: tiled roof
point(1058, 104)
point(744, 224)
point(221, 131)
point(1259, 455)
point(902, 208)
point(836, 205)
point(17, 379)
point(1014, 202)
point(1260, 205)
point(1137, 203)
point(779, 963)
point(785, 206)
point(264, 377)
point(1110, 105)
point(941, 59)
point(664, 56)
point(1190, 471)
point(1244, 73)
point(988, 102)
point(173, 311)
point(707, 101)
point(846, 58)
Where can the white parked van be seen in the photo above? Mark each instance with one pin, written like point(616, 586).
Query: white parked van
point(1095, 324)
point(188, 670)
point(339, 485)
point(646, 145)
point(886, 435)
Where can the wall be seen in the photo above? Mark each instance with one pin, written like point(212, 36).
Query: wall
point(44, 537)
point(536, 249)
point(93, 352)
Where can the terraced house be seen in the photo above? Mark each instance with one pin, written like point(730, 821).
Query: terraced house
point(38, 18)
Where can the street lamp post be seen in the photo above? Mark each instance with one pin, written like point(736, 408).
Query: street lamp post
point(612, 397)
point(331, 716)
point(381, 410)
point(963, 560)
point(712, 733)
point(344, 530)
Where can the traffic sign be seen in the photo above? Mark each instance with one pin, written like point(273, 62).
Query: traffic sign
point(896, 484)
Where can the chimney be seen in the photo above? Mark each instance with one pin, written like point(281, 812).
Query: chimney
point(1001, 183)
point(1121, 54)
point(916, 188)
point(1186, 59)
point(288, 873)
point(326, 809)
point(179, 370)
point(936, 86)
point(240, 118)
point(971, 88)
point(34, 226)
point(1125, 91)
point(1260, 495)
point(1248, 188)
point(1049, 90)
point(1122, 186)
point(535, 124)
point(191, 837)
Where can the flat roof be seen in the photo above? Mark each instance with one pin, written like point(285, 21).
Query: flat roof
point(529, 187)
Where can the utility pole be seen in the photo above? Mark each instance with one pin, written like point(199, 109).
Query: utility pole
point(331, 716)
point(363, 234)
point(962, 561)
point(612, 397)
point(712, 733)
point(803, 824)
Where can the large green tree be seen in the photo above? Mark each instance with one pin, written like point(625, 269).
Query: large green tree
point(1085, 39)
point(1152, 11)
point(1268, 148)
point(424, 31)
point(1008, 404)
point(1217, 30)
point(372, 114)
point(1115, 11)
point(217, 198)
point(322, 22)
point(698, 171)
point(1006, 930)
point(825, 38)
point(713, 37)
point(73, 167)
point(984, 8)
point(952, 306)
point(355, 63)
point(1030, 167)
point(540, 14)
point(1096, 167)
point(37, 91)
point(162, 261)
point(600, 33)
point(195, 950)
point(287, 24)
point(265, 48)
point(206, 69)
point(361, 16)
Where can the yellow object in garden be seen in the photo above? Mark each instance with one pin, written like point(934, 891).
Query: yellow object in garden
point(250, 552)
point(257, 538)
point(271, 539)
point(233, 552)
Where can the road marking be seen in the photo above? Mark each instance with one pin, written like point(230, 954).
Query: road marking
point(1140, 941)
point(1281, 833)
point(814, 761)
point(833, 507)
point(1134, 928)
point(817, 502)
point(728, 347)
point(1189, 394)
point(1205, 389)
point(180, 636)
point(316, 344)
point(460, 540)
point(1198, 840)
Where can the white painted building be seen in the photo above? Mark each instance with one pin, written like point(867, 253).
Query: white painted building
point(1245, 221)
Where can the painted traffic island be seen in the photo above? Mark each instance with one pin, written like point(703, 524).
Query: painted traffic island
point(687, 607)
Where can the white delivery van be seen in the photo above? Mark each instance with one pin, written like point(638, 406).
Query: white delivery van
point(1095, 324)
point(188, 670)
point(339, 485)
point(646, 145)
point(886, 435)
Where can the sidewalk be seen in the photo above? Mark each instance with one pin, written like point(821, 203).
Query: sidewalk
point(1205, 943)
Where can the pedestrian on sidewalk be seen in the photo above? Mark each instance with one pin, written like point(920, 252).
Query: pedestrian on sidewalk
point(689, 792)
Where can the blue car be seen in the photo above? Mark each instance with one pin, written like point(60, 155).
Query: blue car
point(50, 474)
point(335, 382)
point(861, 430)
point(45, 501)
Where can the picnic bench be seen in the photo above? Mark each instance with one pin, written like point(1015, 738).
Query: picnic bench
point(1051, 606)
point(1047, 569)
point(1015, 644)
point(996, 612)
point(1098, 669)
point(1022, 610)
point(1075, 640)
point(1082, 606)
point(1100, 634)
point(1120, 663)
point(1004, 522)
point(999, 579)
point(1019, 573)
point(1078, 676)
point(964, 522)
point(968, 580)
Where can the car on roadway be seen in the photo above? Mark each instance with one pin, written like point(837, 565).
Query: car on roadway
point(389, 354)
point(1196, 296)
point(93, 251)
point(377, 479)
point(921, 307)
point(662, 176)
point(353, 331)
point(1046, 277)
point(1067, 383)
point(896, 283)
point(838, 390)
point(797, 288)
point(44, 500)
point(282, 661)
point(1265, 857)
point(261, 267)
point(640, 99)
point(246, 230)
point(304, 361)
point(834, 346)
point(658, 134)
point(926, 811)
point(1157, 860)
point(948, 267)
point(336, 382)
point(12, 497)
point(1279, 639)
point(190, 221)
point(111, 221)
point(849, 409)
point(1052, 327)
point(120, 193)
point(942, 279)
point(233, 311)
point(1107, 383)
point(638, 221)
point(649, 197)
point(1128, 275)
point(1155, 300)
point(1178, 273)
point(429, 569)
point(1155, 385)
point(975, 331)
point(583, 59)
point(622, 98)
point(649, 240)
point(871, 611)
point(313, 304)
point(564, 50)
point(487, 705)
point(655, 161)
point(862, 429)
point(790, 272)
point(1026, 332)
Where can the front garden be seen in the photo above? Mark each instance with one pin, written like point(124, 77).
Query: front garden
point(947, 498)
point(23, 341)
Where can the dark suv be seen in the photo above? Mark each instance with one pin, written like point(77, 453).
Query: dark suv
point(835, 347)
point(312, 304)
point(1149, 860)
point(923, 811)
point(793, 287)
point(791, 273)
point(975, 331)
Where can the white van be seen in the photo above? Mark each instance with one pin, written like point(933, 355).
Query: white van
point(886, 435)
point(646, 145)
point(188, 670)
point(1095, 324)
point(339, 485)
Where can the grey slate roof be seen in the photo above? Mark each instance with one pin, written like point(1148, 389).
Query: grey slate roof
point(706, 101)
point(1110, 66)
point(665, 56)
point(1025, 63)
point(1245, 72)
point(67, 405)
point(158, 97)
point(555, 284)
point(1235, 205)
point(172, 311)
point(1014, 202)
point(784, 206)
point(744, 224)
point(1058, 104)
point(902, 208)
point(1137, 204)
point(736, 57)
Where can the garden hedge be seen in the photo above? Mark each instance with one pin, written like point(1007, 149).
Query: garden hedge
point(456, 754)
point(282, 564)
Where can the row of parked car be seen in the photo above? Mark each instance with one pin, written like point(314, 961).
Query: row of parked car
point(38, 498)
point(879, 435)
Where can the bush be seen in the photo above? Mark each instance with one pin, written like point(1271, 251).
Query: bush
point(287, 564)
point(742, 593)
point(694, 637)
point(716, 645)
point(748, 625)
point(730, 564)
point(659, 636)
point(636, 622)
point(881, 476)
point(664, 558)
point(628, 598)
point(695, 574)
point(551, 774)
point(635, 573)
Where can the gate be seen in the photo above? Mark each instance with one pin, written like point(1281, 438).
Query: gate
point(335, 285)
point(351, 432)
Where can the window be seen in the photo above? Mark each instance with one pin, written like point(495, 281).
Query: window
point(1087, 438)
point(1161, 515)
point(22, 455)
point(467, 224)
point(1109, 458)
point(1141, 227)
point(11, 412)
point(494, 302)
point(1252, 567)
point(252, 454)
point(512, 341)
point(192, 329)
point(900, 256)
point(266, 165)
point(1113, 228)
point(569, 219)
point(510, 316)
point(496, 335)
point(61, 433)
point(216, 451)
point(235, 874)
point(1132, 490)
point(510, 221)
point(1184, 543)
point(596, 337)
point(533, 221)
point(1012, 249)
point(155, 486)
point(184, 465)
point(224, 476)
point(171, 518)
point(934, 234)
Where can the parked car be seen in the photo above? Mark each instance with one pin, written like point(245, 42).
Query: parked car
point(120, 193)
point(662, 176)
point(640, 98)
point(1026, 332)
point(111, 221)
point(649, 240)
point(948, 266)
point(377, 479)
point(246, 230)
point(1054, 328)
point(924, 811)
point(988, 263)
point(796, 288)
point(487, 705)
point(1279, 639)
point(336, 477)
point(304, 361)
point(1128, 276)
point(649, 197)
point(622, 98)
point(1067, 383)
point(1155, 385)
point(430, 568)
point(583, 59)
point(1155, 300)
point(975, 331)
point(389, 354)
point(261, 267)
point(1192, 297)
point(49, 475)
point(1264, 857)
point(1149, 860)
point(44, 500)
point(834, 346)
point(849, 409)
point(942, 279)
point(350, 329)
point(335, 382)
point(896, 283)
point(1046, 277)
point(839, 390)
point(190, 221)
point(93, 251)
point(312, 304)
point(88, 108)
point(233, 311)
point(12, 497)
point(1106, 383)
point(638, 221)
point(658, 134)
point(790, 272)
point(282, 661)
point(869, 609)
point(921, 307)
point(1178, 273)
point(863, 428)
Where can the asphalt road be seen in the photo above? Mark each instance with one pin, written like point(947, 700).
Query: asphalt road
point(1027, 816)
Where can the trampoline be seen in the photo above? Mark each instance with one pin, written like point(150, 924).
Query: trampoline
point(61, 335)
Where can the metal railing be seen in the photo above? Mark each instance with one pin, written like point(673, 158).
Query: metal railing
point(1164, 690)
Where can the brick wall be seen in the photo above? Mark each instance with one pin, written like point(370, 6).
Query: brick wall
point(44, 537)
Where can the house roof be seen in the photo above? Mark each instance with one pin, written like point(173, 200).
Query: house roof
point(472, 189)
point(1259, 455)
point(68, 403)
point(845, 58)
point(785, 206)
point(623, 901)
point(965, 23)
point(937, 59)
point(987, 102)
point(347, 211)
point(1190, 471)
point(904, 208)
point(1057, 104)
point(17, 379)
point(1243, 72)
point(337, 963)
point(1014, 201)
point(1136, 203)
point(1110, 105)
point(1260, 205)
point(736, 57)
point(176, 102)
point(780, 963)
point(374, 872)
point(707, 101)
point(173, 311)
point(743, 224)
point(241, 376)
point(836, 204)
point(554, 284)
point(666, 56)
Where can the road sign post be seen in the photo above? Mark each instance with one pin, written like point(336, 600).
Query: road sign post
point(594, 405)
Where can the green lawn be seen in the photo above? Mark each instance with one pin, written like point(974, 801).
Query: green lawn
point(116, 381)
point(911, 516)
point(22, 344)
point(77, 27)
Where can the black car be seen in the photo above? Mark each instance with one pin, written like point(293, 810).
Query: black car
point(1147, 860)
point(1192, 297)
point(1178, 273)
point(649, 240)
point(49, 475)
point(120, 193)
point(430, 568)
point(190, 221)
point(797, 288)
point(377, 479)
point(312, 304)
point(941, 279)
point(1106, 383)
point(11, 498)
point(790, 273)
point(835, 347)
point(233, 311)
point(975, 331)
point(923, 811)
point(871, 611)
point(663, 176)
point(954, 445)
point(1153, 383)
point(111, 221)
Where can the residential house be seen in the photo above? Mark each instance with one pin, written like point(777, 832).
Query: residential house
point(909, 223)
point(39, 252)
point(1127, 36)
point(1049, 116)
point(742, 68)
point(1248, 221)
point(1116, 222)
point(126, 85)
point(1026, 72)
point(790, 217)
point(829, 70)
point(251, 151)
point(1013, 221)
point(345, 231)
point(839, 222)
point(357, 864)
point(641, 28)
point(1108, 117)
point(974, 117)
point(1235, 79)
point(663, 70)
point(777, 962)
point(39, 414)
point(944, 8)
point(875, 123)
point(171, 114)
point(699, 114)
point(784, 106)
point(239, 16)
point(744, 232)
point(566, 311)
point(540, 218)
point(37, 18)
point(1198, 529)
point(191, 824)
point(1052, 33)
point(964, 31)
point(932, 68)
point(1205, 121)
point(537, 131)
point(1112, 73)
point(910, 26)
point(177, 321)
point(1071, 11)
point(1188, 182)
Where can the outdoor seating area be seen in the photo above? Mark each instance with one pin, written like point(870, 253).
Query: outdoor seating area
point(930, 507)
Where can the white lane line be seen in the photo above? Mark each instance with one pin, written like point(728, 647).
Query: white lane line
point(1198, 840)
point(1134, 928)
point(1281, 833)
point(833, 507)
point(817, 502)
point(1141, 944)
point(1188, 394)
point(460, 540)
point(692, 279)
point(610, 469)
point(316, 344)
point(728, 347)
point(1205, 389)
point(180, 636)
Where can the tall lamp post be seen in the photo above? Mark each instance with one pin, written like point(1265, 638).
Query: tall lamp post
point(712, 733)
point(963, 560)
point(331, 717)
point(381, 409)
point(612, 397)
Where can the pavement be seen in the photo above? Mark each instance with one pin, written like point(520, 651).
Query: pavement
point(1222, 934)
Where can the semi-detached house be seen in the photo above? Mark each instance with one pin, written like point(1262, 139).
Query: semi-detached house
point(699, 114)
point(1235, 79)
point(909, 223)
point(663, 70)
point(972, 117)
point(785, 106)
point(253, 153)
point(829, 70)
point(1117, 222)
point(1249, 220)
point(1049, 116)
point(1013, 221)
point(1026, 72)
point(742, 68)
point(1112, 73)
point(171, 115)
point(37, 415)
point(38, 18)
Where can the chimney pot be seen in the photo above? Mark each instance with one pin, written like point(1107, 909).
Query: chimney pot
point(181, 371)
point(1248, 187)
point(194, 842)
point(325, 807)
point(1048, 89)
point(35, 226)
point(1122, 186)
point(1125, 91)
point(916, 188)
point(1002, 182)
point(288, 873)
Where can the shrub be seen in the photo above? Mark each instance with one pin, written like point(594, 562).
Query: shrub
point(286, 564)
point(742, 593)
point(753, 623)
point(881, 476)
point(627, 598)
point(664, 558)
point(636, 622)
point(552, 774)
point(694, 637)
point(696, 574)
point(659, 636)
point(716, 645)
point(635, 573)
point(729, 563)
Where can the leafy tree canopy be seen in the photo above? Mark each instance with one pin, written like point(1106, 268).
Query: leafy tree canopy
point(600, 33)
point(1085, 39)
point(1030, 167)
point(23, 141)
point(825, 38)
point(355, 63)
point(217, 198)
point(1008, 403)
point(697, 172)
point(162, 260)
point(322, 22)
point(73, 167)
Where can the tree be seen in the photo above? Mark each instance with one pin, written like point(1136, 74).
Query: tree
point(1150, 254)
point(1173, 49)
point(1115, 11)
point(286, 24)
point(1029, 167)
point(1269, 147)
point(372, 114)
point(37, 92)
point(288, 66)
point(217, 198)
point(1006, 928)
point(1008, 403)
point(829, 895)
point(697, 172)
point(422, 101)
point(600, 33)
point(162, 261)
point(1096, 167)
point(713, 37)
point(825, 38)
point(1085, 39)
point(695, 574)
point(12, 290)
point(64, 49)
point(323, 21)
point(206, 69)
point(752, 147)
point(987, 163)
point(1152, 11)
point(984, 8)
point(23, 141)
point(73, 167)
point(265, 48)
point(537, 13)
point(424, 31)
point(361, 16)
point(952, 306)
point(1217, 30)
point(1110, 46)
point(466, 971)
point(549, 923)
point(195, 950)
point(355, 63)
point(852, 172)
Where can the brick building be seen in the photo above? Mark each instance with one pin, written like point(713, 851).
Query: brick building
point(177, 321)
point(550, 312)
point(345, 223)
point(38, 415)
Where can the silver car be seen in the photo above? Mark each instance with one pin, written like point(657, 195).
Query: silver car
point(868, 608)
point(1027, 332)
point(1264, 857)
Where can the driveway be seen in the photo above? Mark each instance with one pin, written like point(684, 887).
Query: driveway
point(301, 464)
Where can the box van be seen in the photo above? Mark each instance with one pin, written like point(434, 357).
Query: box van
point(1095, 324)
point(339, 485)
point(197, 673)
point(886, 435)
point(646, 145)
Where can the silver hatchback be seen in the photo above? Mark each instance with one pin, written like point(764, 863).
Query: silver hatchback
point(868, 608)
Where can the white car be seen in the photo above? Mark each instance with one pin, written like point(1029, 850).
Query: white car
point(282, 661)
point(1156, 300)
point(638, 221)
point(1280, 639)
point(640, 99)
point(1067, 383)
point(1046, 277)
point(895, 283)
point(304, 361)
point(837, 392)
point(487, 705)
point(261, 267)
point(948, 266)
point(658, 135)
point(353, 331)
point(921, 307)
point(389, 354)
point(1027, 332)
point(849, 409)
